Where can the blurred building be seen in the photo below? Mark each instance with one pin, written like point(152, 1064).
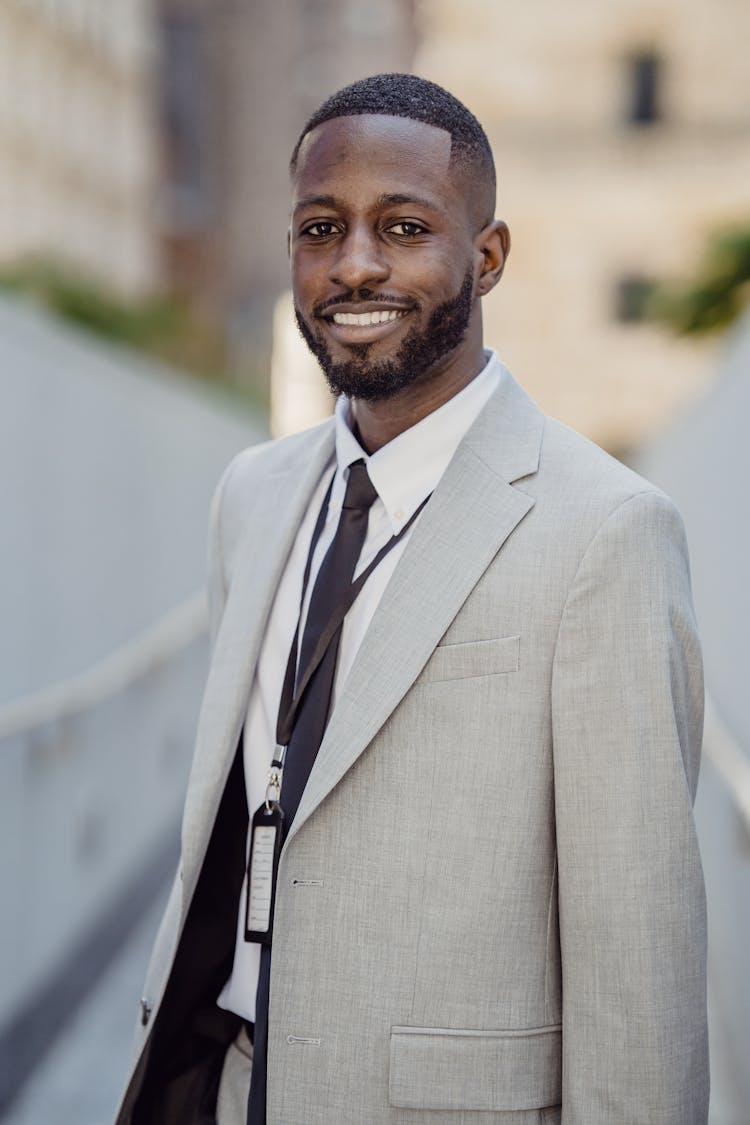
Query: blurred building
point(147, 142)
point(622, 138)
point(239, 79)
point(78, 151)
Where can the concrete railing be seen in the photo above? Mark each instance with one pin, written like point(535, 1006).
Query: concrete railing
point(92, 775)
point(133, 661)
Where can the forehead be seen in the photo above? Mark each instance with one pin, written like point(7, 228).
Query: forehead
point(376, 155)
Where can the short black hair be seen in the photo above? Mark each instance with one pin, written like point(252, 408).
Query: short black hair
point(407, 95)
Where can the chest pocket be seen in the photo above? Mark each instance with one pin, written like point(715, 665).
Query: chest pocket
point(493, 657)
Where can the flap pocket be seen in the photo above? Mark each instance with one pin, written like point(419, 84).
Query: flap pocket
point(473, 658)
point(444, 1068)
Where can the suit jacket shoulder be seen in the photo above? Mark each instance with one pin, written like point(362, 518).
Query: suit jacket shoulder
point(240, 488)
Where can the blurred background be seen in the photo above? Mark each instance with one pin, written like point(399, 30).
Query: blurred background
point(146, 335)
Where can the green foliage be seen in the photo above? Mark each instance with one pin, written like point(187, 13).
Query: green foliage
point(163, 326)
point(719, 293)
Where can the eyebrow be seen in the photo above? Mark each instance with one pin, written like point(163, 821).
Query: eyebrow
point(396, 199)
point(316, 201)
point(387, 199)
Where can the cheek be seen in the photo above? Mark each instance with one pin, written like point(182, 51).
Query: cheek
point(304, 273)
point(445, 265)
point(430, 280)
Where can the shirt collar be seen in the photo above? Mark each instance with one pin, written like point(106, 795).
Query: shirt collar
point(407, 469)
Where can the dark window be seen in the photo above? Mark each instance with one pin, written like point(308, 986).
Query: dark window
point(645, 70)
point(186, 115)
point(632, 295)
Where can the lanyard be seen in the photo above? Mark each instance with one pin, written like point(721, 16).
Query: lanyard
point(268, 830)
point(295, 685)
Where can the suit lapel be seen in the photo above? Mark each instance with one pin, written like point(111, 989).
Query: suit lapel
point(470, 515)
point(280, 502)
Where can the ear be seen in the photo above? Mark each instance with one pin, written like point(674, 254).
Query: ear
point(492, 245)
point(289, 242)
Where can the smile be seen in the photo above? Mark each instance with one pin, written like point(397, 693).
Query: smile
point(368, 318)
point(349, 325)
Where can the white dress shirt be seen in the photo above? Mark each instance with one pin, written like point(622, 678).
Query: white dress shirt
point(403, 472)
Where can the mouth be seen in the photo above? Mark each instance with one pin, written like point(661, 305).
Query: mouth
point(362, 324)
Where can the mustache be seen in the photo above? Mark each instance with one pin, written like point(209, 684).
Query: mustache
point(355, 296)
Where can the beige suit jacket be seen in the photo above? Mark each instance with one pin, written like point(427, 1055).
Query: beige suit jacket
point(490, 905)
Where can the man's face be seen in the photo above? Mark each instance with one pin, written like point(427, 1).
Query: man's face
point(382, 254)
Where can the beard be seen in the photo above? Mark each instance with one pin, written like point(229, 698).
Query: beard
point(420, 350)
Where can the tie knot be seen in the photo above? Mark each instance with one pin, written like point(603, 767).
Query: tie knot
point(360, 491)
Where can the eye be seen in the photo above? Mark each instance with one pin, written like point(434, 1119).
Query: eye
point(323, 228)
point(407, 228)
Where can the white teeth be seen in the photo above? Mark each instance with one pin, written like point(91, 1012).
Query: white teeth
point(365, 319)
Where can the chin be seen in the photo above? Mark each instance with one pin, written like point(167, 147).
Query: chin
point(372, 382)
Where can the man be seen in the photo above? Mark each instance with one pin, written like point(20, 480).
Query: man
point(489, 906)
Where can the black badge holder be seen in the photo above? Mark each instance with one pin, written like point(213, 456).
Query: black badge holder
point(266, 839)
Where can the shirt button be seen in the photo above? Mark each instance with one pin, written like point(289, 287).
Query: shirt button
point(400, 514)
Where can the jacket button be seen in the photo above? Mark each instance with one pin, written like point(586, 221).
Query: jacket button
point(145, 1011)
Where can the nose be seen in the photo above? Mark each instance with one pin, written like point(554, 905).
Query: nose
point(360, 260)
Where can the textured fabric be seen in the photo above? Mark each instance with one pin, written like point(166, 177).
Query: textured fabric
point(331, 585)
point(231, 1107)
point(449, 1068)
point(556, 884)
point(404, 472)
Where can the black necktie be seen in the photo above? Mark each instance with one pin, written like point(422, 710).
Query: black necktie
point(333, 581)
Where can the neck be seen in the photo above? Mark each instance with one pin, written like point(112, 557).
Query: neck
point(379, 422)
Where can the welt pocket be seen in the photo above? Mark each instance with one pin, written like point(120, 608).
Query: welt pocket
point(454, 1069)
point(473, 658)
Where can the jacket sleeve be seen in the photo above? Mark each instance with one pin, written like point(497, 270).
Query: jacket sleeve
point(627, 706)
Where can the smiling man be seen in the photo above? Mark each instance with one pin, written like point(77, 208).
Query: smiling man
point(439, 862)
point(393, 319)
